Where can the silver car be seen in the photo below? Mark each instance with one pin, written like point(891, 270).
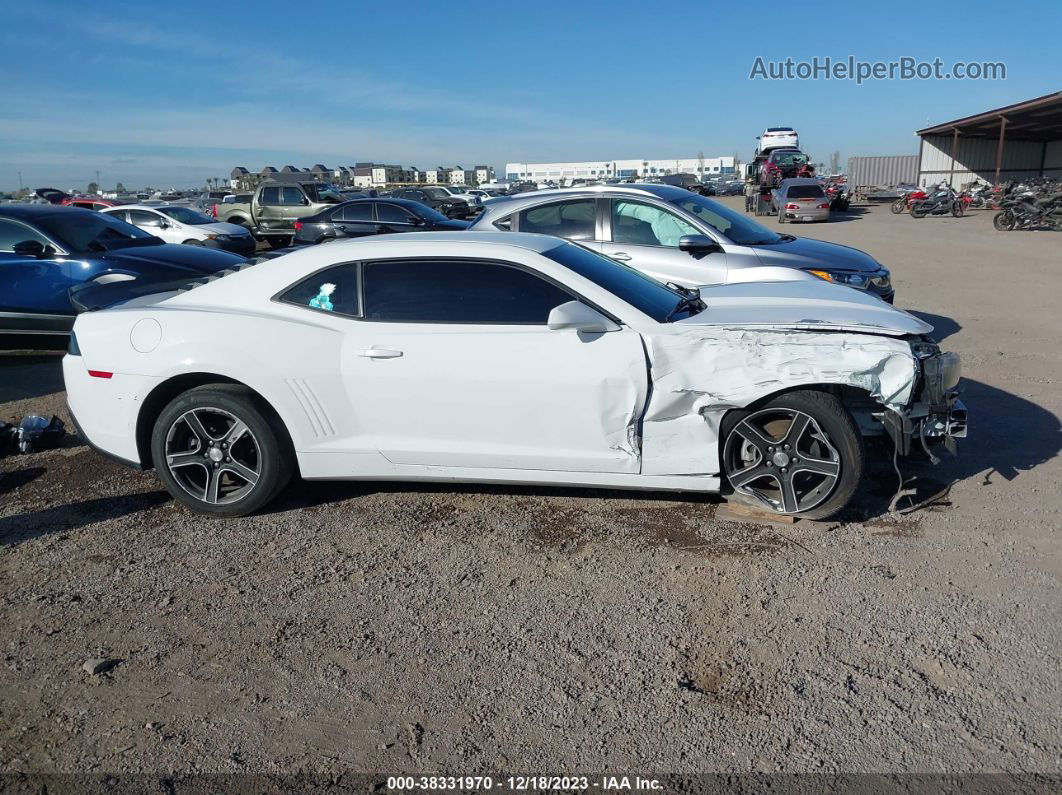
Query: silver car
point(678, 236)
point(800, 199)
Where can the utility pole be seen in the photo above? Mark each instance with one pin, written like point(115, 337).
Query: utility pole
point(20, 188)
point(98, 186)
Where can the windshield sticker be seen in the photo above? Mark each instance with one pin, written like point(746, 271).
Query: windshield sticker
point(323, 300)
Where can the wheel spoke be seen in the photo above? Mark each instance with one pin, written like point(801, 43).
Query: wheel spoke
point(819, 466)
point(796, 429)
point(233, 435)
point(210, 493)
point(754, 436)
point(748, 475)
point(197, 427)
point(790, 503)
point(190, 458)
point(241, 471)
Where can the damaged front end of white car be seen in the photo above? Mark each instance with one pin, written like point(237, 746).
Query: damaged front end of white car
point(733, 378)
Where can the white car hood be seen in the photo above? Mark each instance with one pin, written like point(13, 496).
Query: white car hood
point(802, 305)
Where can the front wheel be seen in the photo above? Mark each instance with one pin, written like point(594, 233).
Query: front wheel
point(799, 453)
point(1004, 221)
point(957, 209)
point(220, 451)
point(192, 242)
point(899, 206)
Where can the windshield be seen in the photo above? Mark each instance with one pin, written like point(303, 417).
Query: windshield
point(789, 158)
point(454, 189)
point(644, 293)
point(186, 216)
point(734, 226)
point(436, 193)
point(426, 212)
point(87, 231)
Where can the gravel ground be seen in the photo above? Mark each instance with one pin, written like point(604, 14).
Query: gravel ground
point(387, 628)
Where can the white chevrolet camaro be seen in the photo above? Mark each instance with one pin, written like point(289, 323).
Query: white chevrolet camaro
point(506, 358)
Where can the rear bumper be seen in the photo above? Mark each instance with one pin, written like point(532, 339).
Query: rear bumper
point(106, 409)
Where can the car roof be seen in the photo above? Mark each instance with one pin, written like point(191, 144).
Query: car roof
point(148, 207)
point(30, 212)
point(800, 181)
point(503, 205)
point(532, 242)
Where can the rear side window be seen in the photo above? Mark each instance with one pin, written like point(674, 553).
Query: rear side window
point(290, 196)
point(269, 196)
point(392, 214)
point(804, 192)
point(574, 220)
point(332, 290)
point(457, 291)
point(362, 211)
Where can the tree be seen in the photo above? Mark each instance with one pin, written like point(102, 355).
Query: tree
point(120, 188)
point(93, 188)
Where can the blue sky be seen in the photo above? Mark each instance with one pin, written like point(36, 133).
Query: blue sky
point(168, 94)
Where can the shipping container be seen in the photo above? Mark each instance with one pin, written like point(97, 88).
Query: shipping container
point(882, 172)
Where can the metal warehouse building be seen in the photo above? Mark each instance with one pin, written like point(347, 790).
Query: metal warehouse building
point(1015, 142)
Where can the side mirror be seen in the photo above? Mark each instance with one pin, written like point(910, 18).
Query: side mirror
point(163, 225)
point(416, 220)
point(577, 315)
point(30, 248)
point(698, 244)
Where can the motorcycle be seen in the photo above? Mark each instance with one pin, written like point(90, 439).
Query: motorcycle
point(1030, 212)
point(941, 202)
point(903, 204)
point(840, 198)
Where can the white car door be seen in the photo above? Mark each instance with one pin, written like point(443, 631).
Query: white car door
point(466, 373)
point(156, 224)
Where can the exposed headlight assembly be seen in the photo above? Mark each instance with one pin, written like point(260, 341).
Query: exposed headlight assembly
point(857, 279)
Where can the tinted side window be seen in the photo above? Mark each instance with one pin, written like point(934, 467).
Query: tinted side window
point(574, 220)
point(457, 291)
point(269, 196)
point(143, 218)
point(332, 290)
point(643, 224)
point(362, 211)
point(392, 214)
point(290, 196)
point(12, 233)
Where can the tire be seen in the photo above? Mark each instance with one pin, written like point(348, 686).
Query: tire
point(191, 242)
point(278, 242)
point(829, 440)
point(1004, 221)
point(957, 209)
point(917, 210)
point(899, 206)
point(263, 450)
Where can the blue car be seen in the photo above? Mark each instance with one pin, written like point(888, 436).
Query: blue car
point(46, 250)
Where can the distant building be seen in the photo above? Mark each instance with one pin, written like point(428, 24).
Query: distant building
point(564, 173)
point(267, 172)
point(241, 179)
point(484, 174)
point(289, 170)
point(437, 176)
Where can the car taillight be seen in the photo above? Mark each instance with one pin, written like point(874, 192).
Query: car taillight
point(792, 207)
point(214, 210)
point(824, 206)
point(298, 225)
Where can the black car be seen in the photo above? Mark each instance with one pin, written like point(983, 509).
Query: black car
point(380, 216)
point(46, 250)
point(437, 199)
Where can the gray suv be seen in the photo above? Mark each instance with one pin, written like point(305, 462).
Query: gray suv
point(680, 237)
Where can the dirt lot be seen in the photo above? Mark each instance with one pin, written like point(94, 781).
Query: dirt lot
point(460, 629)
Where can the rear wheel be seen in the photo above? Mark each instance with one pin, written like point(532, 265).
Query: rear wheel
point(800, 453)
point(917, 210)
point(1004, 221)
point(957, 209)
point(219, 450)
point(278, 242)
